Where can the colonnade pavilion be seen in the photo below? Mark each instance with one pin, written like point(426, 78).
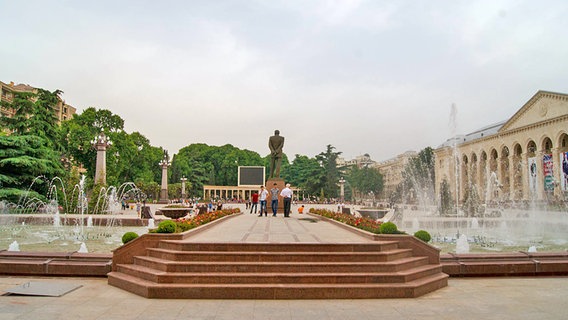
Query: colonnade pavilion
point(522, 158)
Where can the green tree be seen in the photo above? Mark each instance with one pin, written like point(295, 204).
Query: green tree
point(472, 203)
point(28, 156)
point(129, 158)
point(446, 206)
point(23, 158)
point(328, 161)
point(202, 164)
point(418, 179)
point(365, 181)
point(305, 173)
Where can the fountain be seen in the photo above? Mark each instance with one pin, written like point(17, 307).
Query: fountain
point(487, 225)
point(14, 246)
point(83, 248)
point(462, 244)
point(65, 219)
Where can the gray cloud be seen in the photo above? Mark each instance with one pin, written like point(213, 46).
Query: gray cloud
point(365, 76)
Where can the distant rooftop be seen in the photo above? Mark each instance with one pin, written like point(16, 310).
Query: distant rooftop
point(477, 134)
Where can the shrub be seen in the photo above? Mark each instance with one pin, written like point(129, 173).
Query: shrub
point(423, 235)
point(166, 226)
point(389, 228)
point(129, 236)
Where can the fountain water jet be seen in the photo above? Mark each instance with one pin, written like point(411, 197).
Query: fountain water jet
point(14, 246)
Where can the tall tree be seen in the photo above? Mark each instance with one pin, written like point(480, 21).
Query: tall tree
point(328, 160)
point(306, 173)
point(365, 181)
point(418, 179)
point(28, 159)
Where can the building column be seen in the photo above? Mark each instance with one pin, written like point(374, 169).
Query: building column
point(540, 176)
point(556, 171)
point(511, 173)
point(499, 176)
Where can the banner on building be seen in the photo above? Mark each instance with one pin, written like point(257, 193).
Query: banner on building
point(532, 176)
point(548, 172)
point(564, 171)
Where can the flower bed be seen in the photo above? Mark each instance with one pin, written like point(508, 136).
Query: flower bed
point(357, 222)
point(185, 224)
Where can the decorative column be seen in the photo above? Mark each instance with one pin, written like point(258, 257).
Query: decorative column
point(512, 168)
point(100, 143)
point(525, 176)
point(557, 172)
point(183, 180)
point(164, 164)
point(342, 189)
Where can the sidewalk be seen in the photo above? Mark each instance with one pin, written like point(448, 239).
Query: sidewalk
point(479, 298)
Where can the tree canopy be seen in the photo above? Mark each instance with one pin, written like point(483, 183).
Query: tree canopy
point(29, 152)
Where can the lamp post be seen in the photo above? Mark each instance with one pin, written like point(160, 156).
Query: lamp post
point(100, 143)
point(164, 164)
point(183, 180)
point(342, 189)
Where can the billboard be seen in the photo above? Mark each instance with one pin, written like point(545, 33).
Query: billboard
point(251, 176)
point(532, 176)
point(564, 171)
point(548, 170)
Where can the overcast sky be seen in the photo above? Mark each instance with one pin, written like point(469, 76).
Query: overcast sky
point(375, 77)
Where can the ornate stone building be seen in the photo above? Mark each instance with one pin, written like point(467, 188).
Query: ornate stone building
point(522, 158)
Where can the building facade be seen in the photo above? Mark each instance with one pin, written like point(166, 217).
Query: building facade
point(392, 170)
point(520, 159)
point(63, 111)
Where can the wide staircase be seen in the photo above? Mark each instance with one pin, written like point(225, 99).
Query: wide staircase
point(178, 269)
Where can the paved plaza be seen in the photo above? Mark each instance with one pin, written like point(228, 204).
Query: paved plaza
point(463, 298)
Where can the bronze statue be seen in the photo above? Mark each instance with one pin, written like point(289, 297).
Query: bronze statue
point(275, 143)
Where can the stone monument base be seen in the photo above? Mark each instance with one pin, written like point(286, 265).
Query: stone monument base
point(163, 197)
point(280, 184)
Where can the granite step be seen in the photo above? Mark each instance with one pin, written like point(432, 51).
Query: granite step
point(278, 278)
point(150, 289)
point(296, 266)
point(255, 256)
point(182, 245)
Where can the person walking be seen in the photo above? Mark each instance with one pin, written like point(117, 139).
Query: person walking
point(287, 195)
point(263, 194)
point(254, 203)
point(274, 199)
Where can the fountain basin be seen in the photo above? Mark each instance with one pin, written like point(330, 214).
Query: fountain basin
point(373, 213)
point(175, 213)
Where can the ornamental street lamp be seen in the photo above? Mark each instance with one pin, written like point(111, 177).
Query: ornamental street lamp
point(100, 143)
point(342, 189)
point(183, 180)
point(164, 164)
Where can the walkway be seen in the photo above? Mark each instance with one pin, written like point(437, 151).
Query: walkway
point(479, 298)
point(298, 228)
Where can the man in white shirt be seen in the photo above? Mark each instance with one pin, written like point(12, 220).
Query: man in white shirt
point(262, 195)
point(287, 194)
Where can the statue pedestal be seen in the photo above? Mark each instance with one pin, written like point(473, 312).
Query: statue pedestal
point(280, 184)
point(163, 196)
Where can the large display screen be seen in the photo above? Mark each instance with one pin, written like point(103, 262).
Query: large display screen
point(251, 176)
